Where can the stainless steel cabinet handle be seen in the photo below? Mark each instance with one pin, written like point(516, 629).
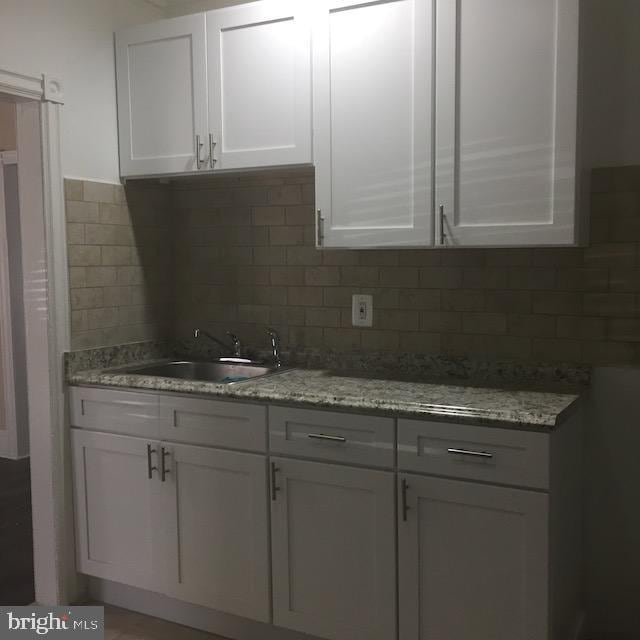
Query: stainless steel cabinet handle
point(472, 454)
point(274, 487)
point(163, 464)
point(320, 228)
point(322, 436)
point(150, 467)
point(199, 145)
point(212, 146)
point(405, 506)
point(443, 235)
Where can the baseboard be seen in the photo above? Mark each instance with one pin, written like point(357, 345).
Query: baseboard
point(189, 615)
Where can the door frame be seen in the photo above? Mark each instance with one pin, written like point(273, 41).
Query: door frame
point(8, 434)
point(39, 101)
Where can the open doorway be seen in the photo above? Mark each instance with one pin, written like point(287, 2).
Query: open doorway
point(16, 535)
point(32, 238)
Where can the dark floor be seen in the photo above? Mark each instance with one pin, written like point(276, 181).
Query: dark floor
point(16, 540)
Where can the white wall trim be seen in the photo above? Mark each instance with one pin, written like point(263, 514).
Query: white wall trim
point(9, 418)
point(9, 157)
point(42, 213)
point(118, 183)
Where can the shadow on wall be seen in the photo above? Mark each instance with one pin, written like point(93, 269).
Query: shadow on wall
point(613, 504)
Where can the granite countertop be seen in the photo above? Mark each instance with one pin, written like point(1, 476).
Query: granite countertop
point(450, 402)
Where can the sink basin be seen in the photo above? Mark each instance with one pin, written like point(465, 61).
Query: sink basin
point(225, 370)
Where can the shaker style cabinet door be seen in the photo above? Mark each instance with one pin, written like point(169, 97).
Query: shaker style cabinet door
point(507, 77)
point(216, 531)
point(333, 550)
point(162, 96)
point(116, 508)
point(259, 61)
point(373, 88)
point(472, 561)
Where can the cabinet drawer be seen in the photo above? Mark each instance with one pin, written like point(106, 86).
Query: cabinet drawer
point(326, 435)
point(128, 412)
point(477, 453)
point(213, 422)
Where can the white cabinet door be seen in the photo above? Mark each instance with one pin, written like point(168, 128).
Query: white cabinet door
point(507, 76)
point(216, 529)
point(333, 550)
point(116, 499)
point(162, 96)
point(259, 60)
point(473, 561)
point(373, 88)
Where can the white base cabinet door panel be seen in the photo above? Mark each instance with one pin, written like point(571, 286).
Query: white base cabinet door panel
point(507, 83)
point(333, 550)
point(473, 561)
point(162, 96)
point(259, 61)
point(215, 523)
point(372, 122)
point(116, 498)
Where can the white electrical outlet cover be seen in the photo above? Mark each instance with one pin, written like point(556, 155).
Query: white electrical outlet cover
point(362, 310)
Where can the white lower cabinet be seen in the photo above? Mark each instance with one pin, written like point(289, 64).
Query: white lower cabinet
point(333, 550)
point(185, 521)
point(214, 505)
point(116, 504)
point(312, 542)
point(473, 561)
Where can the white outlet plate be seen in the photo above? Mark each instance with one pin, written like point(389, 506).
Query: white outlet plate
point(362, 310)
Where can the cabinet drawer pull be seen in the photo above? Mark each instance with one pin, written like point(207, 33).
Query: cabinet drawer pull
point(274, 487)
point(322, 436)
point(405, 506)
point(150, 467)
point(472, 454)
point(163, 464)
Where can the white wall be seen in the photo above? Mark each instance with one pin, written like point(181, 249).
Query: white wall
point(73, 40)
point(613, 504)
point(193, 6)
point(611, 82)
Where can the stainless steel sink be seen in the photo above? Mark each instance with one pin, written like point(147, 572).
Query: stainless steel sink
point(224, 370)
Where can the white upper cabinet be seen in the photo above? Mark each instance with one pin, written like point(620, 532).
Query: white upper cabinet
point(259, 61)
point(373, 122)
point(162, 96)
point(506, 122)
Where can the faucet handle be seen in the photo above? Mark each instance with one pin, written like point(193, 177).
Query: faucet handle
point(275, 345)
point(237, 345)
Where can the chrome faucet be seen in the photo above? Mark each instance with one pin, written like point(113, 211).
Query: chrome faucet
point(235, 349)
point(275, 346)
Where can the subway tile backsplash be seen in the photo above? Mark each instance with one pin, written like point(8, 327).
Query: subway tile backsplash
point(121, 269)
point(236, 253)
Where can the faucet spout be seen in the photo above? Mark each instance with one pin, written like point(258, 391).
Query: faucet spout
point(235, 350)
